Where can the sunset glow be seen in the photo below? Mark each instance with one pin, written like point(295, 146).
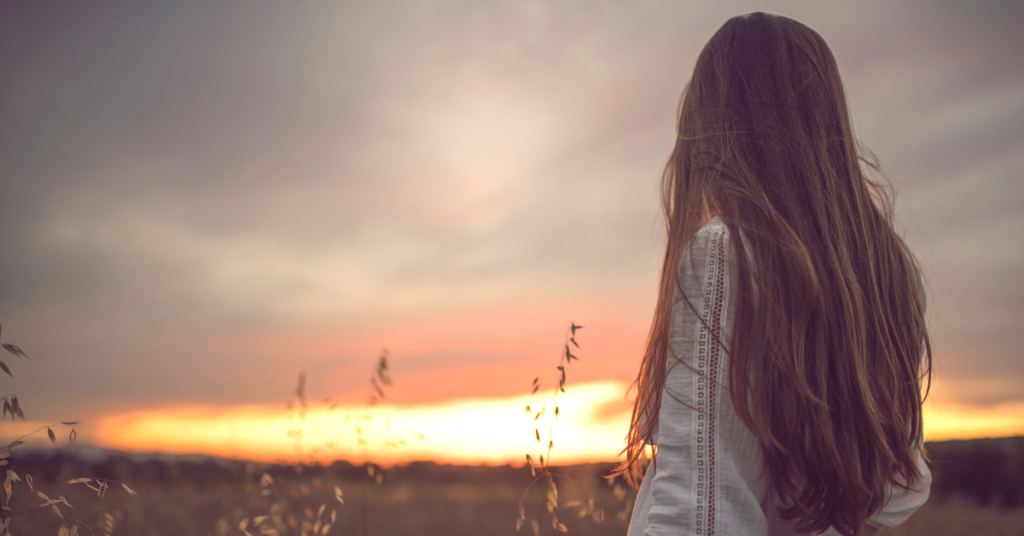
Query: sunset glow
point(592, 423)
point(591, 426)
point(948, 420)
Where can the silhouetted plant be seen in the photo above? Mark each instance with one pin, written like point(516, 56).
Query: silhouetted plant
point(379, 381)
point(540, 467)
point(283, 513)
point(280, 518)
point(69, 525)
point(299, 417)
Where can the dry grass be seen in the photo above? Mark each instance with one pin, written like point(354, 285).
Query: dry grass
point(212, 499)
point(17, 490)
point(557, 501)
point(194, 499)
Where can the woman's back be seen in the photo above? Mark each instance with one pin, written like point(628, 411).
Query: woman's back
point(709, 477)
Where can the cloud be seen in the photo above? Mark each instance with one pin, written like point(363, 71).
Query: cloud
point(177, 178)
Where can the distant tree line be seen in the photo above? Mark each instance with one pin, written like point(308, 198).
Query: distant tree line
point(988, 471)
point(201, 496)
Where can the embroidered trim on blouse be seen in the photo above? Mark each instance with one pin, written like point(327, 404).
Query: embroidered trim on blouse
point(708, 358)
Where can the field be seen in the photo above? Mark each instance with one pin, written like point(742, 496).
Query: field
point(213, 497)
point(976, 492)
point(960, 517)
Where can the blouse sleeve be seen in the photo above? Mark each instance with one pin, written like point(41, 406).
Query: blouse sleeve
point(901, 503)
point(706, 475)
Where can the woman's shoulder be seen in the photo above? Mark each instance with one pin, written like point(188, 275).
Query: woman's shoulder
point(711, 244)
point(707, 246)
point(715, 223)
point(709, 237)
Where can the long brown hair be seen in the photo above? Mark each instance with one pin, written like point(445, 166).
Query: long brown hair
point(829, 348)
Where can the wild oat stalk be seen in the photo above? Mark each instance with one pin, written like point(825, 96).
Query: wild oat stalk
point(282, 517)
point(380, 380)
point(541, 468)
point(69, 525)
point(362, 422)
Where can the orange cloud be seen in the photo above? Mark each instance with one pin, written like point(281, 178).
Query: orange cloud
point(478, 353)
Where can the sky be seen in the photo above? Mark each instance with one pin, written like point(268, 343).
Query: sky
point(200, 201)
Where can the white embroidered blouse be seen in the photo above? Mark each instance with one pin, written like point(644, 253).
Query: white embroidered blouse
point(709, 480)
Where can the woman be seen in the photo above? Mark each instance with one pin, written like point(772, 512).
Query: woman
point(781, 386)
